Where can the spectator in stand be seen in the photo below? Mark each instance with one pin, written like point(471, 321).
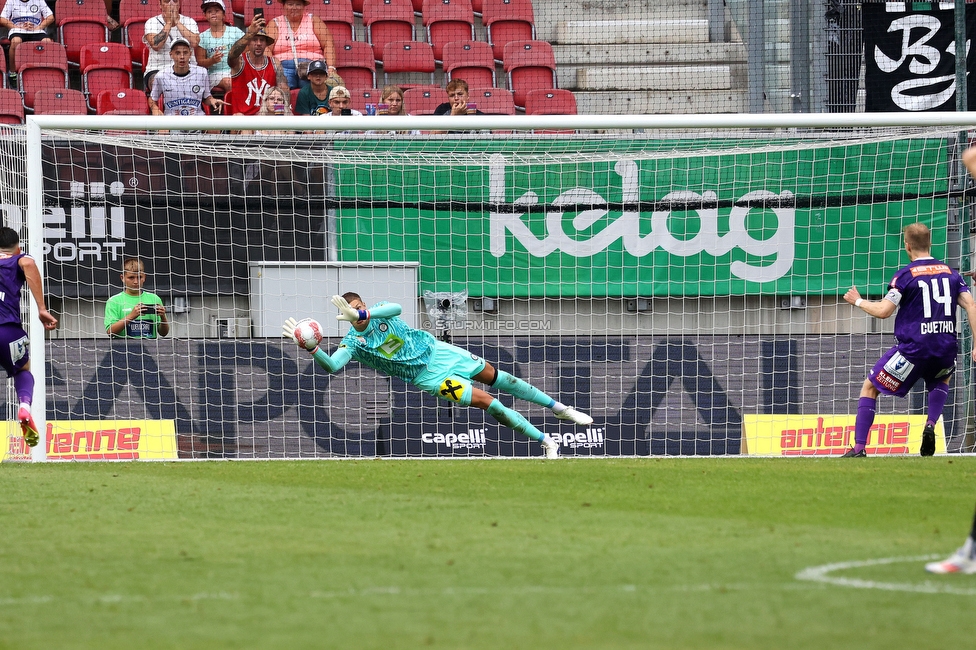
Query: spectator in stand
point(110, 22)
point(135, 313)
point(183, 87)
point(457, 100)
point(162, 32)
point(215, 42)
point(252, 71)
point(339, 100)
point(275, 102)
point(393, 98)
point(300, 38)
point(313, 99)
point(27, 22)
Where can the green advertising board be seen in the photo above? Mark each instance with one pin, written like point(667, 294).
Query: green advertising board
point(608, 218)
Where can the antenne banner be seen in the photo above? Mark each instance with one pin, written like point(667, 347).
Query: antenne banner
point(910, 57)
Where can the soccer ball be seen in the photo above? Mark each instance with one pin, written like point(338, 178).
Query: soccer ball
point(308, 333)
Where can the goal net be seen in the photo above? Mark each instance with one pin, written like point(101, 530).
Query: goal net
point(682, 286)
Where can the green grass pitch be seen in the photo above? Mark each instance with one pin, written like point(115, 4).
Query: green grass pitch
point(619, 553)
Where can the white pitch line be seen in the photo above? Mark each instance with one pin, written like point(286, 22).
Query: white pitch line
point(820, 574)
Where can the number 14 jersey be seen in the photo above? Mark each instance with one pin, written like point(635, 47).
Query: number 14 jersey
point(926, 293)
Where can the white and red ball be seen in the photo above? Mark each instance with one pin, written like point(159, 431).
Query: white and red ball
point(308, 333)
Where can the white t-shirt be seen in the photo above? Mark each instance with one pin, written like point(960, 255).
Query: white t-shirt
point(29, 11)
point(182, 95)
point(160, 59)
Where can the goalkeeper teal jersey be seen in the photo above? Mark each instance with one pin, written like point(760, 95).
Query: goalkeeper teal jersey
point(389, 345)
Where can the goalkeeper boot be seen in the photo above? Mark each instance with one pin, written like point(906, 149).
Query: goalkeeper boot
point(573, 415)
point(962, 561)
point(855, 454)
point(550, 447)
point(27, 426)
point(928, 440)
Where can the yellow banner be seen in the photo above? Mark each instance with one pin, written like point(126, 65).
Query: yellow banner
point(12, 446)
point(98, 440)
point(830, 435)
point(111, 440)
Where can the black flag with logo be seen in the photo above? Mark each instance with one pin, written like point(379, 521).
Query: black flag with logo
point(910, 58)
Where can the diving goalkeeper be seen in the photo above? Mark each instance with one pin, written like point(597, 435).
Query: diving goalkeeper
point(381, 340)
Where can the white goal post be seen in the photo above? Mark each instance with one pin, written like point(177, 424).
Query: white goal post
point(680, 277)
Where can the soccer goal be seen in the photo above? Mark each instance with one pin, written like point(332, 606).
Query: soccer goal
point(678, 278)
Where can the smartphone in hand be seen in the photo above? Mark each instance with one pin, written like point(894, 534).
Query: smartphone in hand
point(258, 13)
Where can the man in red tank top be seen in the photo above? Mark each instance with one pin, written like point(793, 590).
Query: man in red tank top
point(253, 73)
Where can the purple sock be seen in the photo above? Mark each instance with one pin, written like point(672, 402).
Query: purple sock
point(862, 423)
point(24, 385)
point(937, 400)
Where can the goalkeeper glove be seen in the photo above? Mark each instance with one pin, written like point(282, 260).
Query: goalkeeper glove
point(288, 331)
point(346, 312)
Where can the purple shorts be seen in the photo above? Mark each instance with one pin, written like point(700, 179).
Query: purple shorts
point(14, 347)
point(894, 374)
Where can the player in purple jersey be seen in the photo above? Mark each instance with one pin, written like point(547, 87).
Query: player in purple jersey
point(925, 293)
point(16, 269)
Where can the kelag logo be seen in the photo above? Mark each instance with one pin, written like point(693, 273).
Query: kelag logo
point(628, 226)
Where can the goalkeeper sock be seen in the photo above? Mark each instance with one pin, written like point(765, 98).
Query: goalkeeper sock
point(937, 399)
point(24, 385)
point(866, 407)
point(513, 420)
point(514, 386)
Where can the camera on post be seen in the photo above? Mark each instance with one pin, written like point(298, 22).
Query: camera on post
point(447, 310)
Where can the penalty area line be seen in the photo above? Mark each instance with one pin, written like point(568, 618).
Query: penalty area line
point(822, 574)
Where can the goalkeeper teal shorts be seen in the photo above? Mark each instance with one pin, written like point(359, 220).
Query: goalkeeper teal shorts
point(449, 372)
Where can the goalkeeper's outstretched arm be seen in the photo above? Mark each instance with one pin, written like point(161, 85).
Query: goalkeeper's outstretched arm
point(333, 362)
point(360, 314)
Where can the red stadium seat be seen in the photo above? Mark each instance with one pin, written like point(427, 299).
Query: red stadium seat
point(236, 8)
point(337, 15)
point(531, 65)
point(357, 8)
point(362, 96)
point(3, 71)
point(122, 102)
point(493, 101)
point(355, 64)
point(550, 102)
point(11, 107)
point(387, 21)
point(271, 8)
point(59, 101)
point(294, 97)
point(41, 65)
point(472, 61)
point(79, 23)
point(133, 15)
point(476, 6)
point(408, 57)
point(447, 21)
point(422, 100)
point(104, 66)
point(506, 21)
